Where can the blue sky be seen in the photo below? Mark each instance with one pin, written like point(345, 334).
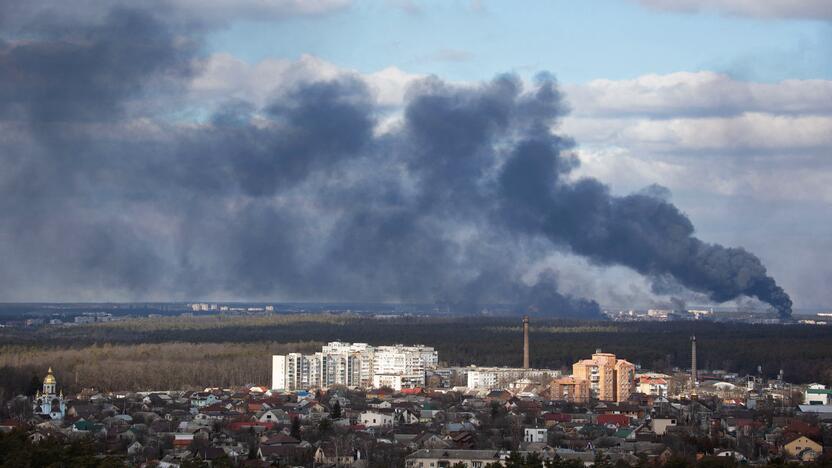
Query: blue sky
point(726, 103)
point(578, 41)
point(748, 169)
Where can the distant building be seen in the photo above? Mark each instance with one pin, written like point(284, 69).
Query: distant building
point(659, 314)
point(816, 394)
point(660, 425)
point(569, 389)
point(535, 434)
point(800, 445)
point(376, 418)
point(356, 365)
point(610, 379)
point(652, 385)
point(489, 378)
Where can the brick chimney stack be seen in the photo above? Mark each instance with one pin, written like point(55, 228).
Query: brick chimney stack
point(525, 342)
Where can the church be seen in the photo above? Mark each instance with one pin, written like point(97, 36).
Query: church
point(49, 403)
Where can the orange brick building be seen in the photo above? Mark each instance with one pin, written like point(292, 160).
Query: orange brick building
point(569, 389)
point(608, 378)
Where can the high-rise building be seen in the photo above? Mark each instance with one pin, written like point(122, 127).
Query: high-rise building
point(609, 378)
point(356, 365)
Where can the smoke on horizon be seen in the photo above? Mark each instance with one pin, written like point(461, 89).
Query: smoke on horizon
point(106, 189)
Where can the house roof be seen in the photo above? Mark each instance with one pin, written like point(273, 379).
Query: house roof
point(280, 439)
point(799, 436)
point(278, 451)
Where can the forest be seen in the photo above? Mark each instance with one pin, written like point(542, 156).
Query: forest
point(195, 352)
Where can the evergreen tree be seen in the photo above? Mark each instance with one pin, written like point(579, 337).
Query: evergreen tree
point(295, 430)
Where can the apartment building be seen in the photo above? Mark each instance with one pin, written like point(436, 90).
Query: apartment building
point(609, 378)
point(490, 378)
point(569, 389)
point(357, 365)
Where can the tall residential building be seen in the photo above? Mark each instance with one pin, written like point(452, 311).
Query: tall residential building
point(609, 378)
point(356, 365)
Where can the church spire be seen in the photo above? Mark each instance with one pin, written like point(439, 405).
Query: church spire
point(49, 383)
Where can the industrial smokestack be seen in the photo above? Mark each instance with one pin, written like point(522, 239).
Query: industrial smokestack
point(525, 342)
point(693, 380)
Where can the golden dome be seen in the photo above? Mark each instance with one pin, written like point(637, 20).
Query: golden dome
point(49, 379)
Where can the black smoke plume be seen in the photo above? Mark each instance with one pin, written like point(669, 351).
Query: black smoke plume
point(113, 185)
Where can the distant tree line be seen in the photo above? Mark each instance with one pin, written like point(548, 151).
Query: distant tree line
point(191, 352)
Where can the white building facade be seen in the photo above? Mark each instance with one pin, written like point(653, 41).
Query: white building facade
point(490, 378)
point(816, 394)
point(355, 365)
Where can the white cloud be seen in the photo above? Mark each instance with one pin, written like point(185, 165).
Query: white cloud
point(698, 94)
point(801, 9)
point(627, 170)
point(224, 77)
point(706, 133)
point(745, 133)
point(390, 85)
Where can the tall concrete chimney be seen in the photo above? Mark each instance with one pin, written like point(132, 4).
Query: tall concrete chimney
point(525, 342)
point(693, 379)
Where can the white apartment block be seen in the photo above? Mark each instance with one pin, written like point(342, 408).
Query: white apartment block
point(356, 365)
point(490, 378)
point(816, 394)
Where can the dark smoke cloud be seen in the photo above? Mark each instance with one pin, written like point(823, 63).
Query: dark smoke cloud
point(107, 191)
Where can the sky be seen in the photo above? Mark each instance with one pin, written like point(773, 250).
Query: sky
point(184, 150)
point(579, 41)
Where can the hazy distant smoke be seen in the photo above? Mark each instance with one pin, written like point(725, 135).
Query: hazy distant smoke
point(107, 189)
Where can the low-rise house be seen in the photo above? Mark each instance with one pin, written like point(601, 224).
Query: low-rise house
point(659, 425)
point(376, 418)
point(278, 416)
point(553, 419)
point(331, 454)
point(198, 400)
point(405, 416)
point(535, 434)
point(280, 438)
point(800, 444)
point(617, 420)
point(183, 439)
